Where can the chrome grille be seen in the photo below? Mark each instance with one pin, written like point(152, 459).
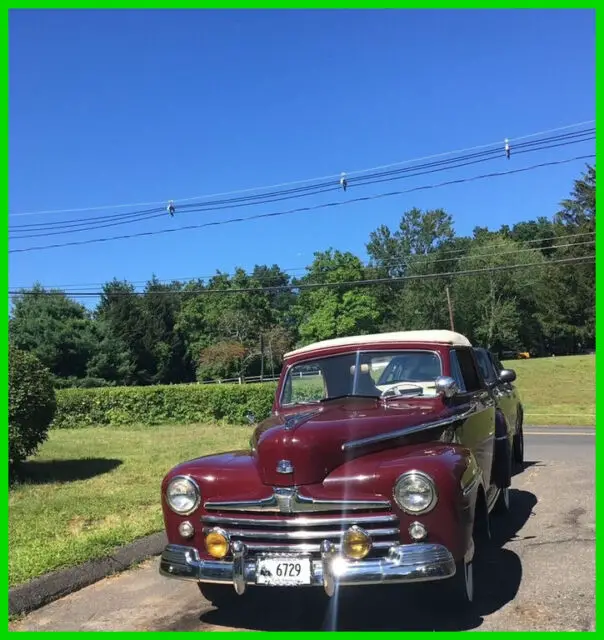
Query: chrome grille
point(303, 533)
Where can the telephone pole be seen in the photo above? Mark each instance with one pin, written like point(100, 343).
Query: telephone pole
point(261, 358)
point(450, 308)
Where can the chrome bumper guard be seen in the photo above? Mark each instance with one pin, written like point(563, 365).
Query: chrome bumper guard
point(419, 562)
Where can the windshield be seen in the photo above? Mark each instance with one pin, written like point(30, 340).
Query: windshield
point(357, 373)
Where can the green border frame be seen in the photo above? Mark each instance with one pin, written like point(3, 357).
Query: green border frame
point(293, 4)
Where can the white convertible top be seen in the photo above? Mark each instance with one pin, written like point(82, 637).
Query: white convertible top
point(433, 335)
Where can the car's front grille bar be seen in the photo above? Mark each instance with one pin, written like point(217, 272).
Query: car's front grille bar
point(302, 521)
point(304, 533)
point(300, 534)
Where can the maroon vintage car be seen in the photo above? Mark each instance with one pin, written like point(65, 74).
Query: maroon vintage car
point(382, 461)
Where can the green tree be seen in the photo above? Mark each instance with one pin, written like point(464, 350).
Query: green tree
point(567, 304)
point(57, 330)
point(244, 309)
point(492, 305)
point(419, 234)
point(332, 312)
point(423, 244)
point(31, 405)
point(120, 311)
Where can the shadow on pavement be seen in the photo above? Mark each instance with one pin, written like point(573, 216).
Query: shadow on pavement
point(498, 574)
point(527, 463)
point(50, 471)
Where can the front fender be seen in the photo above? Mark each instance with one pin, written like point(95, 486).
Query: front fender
point(455, 472)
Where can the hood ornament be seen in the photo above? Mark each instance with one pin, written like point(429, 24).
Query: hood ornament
point(285, 467)
point(294, 419)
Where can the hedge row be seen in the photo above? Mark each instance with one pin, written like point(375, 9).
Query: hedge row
point(176, 404)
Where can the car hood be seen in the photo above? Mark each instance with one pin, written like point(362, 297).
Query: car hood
point(310, 439)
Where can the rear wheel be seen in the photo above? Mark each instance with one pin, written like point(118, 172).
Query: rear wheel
point(219, 595)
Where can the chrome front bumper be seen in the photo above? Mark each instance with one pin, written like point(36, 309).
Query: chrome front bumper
point(407, 563)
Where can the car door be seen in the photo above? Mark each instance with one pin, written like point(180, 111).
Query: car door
point(478, 431)
point(507, 393)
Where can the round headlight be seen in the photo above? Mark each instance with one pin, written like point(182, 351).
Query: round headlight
point(182, 495)
point(415, 492)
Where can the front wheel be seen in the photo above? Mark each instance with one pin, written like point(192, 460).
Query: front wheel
point(461, 586)
point(518, 445)
point(502, 506)
point(220, 595)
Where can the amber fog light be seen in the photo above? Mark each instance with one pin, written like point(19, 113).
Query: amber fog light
point(417, 531)
point(186, 529)
point(356, 543)
point(217, 543)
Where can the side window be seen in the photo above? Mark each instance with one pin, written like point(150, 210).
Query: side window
point(456, 372)
point(485, 365)
point(305, 383)
point(468, 370)
point(497, 365)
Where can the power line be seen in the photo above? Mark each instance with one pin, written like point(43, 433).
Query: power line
point(87, 224)
point(302, 209)
point(299, 182)
point(412, 261)
point(311, 285)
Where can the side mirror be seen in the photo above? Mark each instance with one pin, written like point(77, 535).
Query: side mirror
point(446, 386)
point(507, 375)
point(251, 418)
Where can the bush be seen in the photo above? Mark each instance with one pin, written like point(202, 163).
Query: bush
point(31, 405)
point(176, 404)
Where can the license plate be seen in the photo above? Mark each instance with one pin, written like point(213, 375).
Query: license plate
point(281, 571)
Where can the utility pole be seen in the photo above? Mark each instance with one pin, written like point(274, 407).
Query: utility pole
point(261, 357)
point(450, 308)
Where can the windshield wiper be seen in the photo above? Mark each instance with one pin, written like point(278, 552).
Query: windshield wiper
point(349, 395)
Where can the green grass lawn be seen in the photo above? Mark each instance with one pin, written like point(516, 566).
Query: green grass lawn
point(90, 490)
point(557, 390)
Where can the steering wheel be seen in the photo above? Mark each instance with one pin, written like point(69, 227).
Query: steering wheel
point(399, 388)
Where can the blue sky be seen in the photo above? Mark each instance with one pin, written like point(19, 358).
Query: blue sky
point(111, 108)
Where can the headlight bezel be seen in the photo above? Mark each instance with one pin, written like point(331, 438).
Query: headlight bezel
point(414, 473)
point(196, 489)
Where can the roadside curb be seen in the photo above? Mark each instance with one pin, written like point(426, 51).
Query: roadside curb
point(52, 586)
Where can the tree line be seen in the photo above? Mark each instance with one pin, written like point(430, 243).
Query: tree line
point(241, 324)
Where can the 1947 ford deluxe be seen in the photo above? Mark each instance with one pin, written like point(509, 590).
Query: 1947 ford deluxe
point(382, 462)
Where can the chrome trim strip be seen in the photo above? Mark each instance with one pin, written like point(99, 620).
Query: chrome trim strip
point(417, 562)
point(285, 500)
point(298, 522)
point(299, 534)
point(471, 485)
point(407, 431)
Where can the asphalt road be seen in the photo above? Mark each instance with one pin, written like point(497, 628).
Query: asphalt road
point(539, 576)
